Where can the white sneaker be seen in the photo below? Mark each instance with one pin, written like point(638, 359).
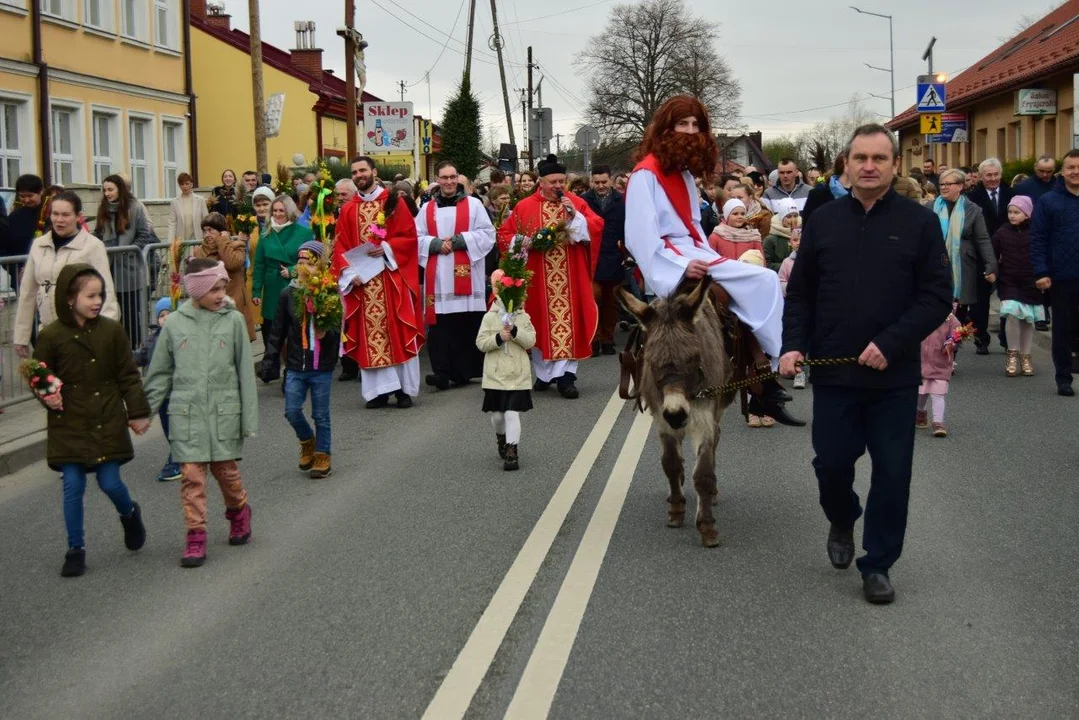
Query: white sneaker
point(800, 380)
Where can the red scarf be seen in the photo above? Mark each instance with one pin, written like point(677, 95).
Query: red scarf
point(674, 186)
point(462, 265)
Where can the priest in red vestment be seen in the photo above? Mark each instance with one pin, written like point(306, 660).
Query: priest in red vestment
point(374, 259)
point(560, 298)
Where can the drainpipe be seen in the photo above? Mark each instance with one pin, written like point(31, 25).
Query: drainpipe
point(45, 119)
point(189, 90)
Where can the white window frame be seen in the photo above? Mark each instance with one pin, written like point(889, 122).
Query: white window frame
point(172, 40)
point(106, 11)
point(77, 141)
point(16, 6)
point(140, 32)
point(59, 9)
point(26, 138)
point(149, 163)
point(115, 158)
point(180, 163)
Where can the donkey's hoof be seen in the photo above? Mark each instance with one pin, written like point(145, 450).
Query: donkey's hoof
point(676, 515)
point(709, 537)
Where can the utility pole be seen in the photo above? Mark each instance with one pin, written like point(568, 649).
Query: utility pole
point(468, 44)
point(524, 111)
point(496, 41)
point(350, 80)
point(558, 143)
point(528, 133)
point(261, 160)
point(401, 85)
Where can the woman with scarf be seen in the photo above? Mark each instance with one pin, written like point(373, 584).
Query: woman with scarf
point(966, 239)
point(786, 224)
point(226, 196)
point(122, 222)
point(732, 238)
point(758, 216)
point(275, 258)
point(835, 186)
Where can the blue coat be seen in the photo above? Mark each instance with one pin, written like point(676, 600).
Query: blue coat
point(609, 267)
point(1054, 235)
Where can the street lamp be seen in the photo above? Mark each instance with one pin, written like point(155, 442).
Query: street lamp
point(891, 50)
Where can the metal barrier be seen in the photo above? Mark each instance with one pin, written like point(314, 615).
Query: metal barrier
point(140, 277)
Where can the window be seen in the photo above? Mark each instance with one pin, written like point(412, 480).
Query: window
point(12, 141)
point(64, 129)
point(64, 9)
point(141, 145)
point(98, 14)
point(165, 24)
point(106, 129)
point(13, 4)
point(133, 21)
point(172, 151)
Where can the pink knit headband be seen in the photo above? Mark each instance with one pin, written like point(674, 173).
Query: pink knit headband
point(199, 283)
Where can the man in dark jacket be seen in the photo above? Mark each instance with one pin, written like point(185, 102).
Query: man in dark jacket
point(22, 221)
point(871, 281)
point(610, 205)
point(1041, 182)
point(1054, 252)
point(992, 197)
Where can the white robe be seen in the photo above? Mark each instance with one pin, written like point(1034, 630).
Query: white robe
point(479, 239)
point(652, 227)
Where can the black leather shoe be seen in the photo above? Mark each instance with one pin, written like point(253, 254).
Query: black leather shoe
point(569, 391)
point(608, 349)
point(774, 409)
point(981, 350)
point(878, 588)
point(540, 386)
point(1041, 326)
point(403, 400)
point(1065, 390)
point(347, 376)
point(438, 381)
point(841, 546)
point(595, 349)
point(377, 403)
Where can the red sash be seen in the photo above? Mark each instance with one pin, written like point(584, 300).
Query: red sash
point(674, 186)
point(462, 265)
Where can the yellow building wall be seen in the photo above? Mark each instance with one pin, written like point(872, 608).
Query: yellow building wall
point(226, 127)
point(109, 57)
point(18, 39)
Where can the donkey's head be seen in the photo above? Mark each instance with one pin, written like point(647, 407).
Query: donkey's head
point(674, 355)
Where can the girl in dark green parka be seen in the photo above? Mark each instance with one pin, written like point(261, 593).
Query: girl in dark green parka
point(100, 398)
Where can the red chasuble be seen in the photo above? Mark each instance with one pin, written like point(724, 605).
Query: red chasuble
point(560, 300)
point(382, 325)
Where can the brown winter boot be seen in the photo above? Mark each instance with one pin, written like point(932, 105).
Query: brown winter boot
point(307, 454)
point(321, 467)
point(1011, 365)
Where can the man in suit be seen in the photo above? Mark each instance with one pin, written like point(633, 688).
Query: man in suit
point(992, 197)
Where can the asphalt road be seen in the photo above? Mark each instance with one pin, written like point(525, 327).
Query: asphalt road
point(359, 593)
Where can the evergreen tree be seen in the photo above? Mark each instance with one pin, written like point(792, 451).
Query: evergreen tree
point(461, 131)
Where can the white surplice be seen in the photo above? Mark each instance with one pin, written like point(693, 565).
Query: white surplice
point(381, 381)
point(479, 240)
point(663, 247)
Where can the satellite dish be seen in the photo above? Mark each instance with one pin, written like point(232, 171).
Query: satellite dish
point(587, 137)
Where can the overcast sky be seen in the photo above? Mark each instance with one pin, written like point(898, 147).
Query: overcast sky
point(799, 63)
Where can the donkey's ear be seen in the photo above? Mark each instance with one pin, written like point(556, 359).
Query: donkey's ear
point(691, 303)
point(638, 308)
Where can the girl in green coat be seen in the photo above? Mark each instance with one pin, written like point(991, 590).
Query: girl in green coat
point(275, 258)
point(203, 364)
point(101, 396)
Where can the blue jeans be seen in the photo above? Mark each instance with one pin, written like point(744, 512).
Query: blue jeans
point(108, 479)
point(296, 386)
point(847, 422)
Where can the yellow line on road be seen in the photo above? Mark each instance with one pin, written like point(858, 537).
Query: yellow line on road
point(539, 683)
point(463, 680)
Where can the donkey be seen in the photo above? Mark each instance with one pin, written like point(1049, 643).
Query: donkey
point(683, 352)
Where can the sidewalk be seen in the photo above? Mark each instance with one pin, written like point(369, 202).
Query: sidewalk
point(22, 430)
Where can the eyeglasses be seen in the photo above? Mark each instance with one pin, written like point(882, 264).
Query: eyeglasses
point(945, 184)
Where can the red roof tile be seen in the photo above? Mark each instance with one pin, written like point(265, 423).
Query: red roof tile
point(1048, 46)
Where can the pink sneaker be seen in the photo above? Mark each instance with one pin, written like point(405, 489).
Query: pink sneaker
point(240, 530)
point(195, 553)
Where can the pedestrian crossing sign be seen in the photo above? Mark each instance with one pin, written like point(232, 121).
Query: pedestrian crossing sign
point(931, 123)
point(931, 97)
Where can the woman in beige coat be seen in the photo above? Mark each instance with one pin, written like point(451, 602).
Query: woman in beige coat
point(66, 244)
point(186, 212)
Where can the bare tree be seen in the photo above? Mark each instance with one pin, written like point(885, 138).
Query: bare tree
point(649, 52)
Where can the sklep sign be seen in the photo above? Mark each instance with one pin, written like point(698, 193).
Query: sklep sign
point(388, 127)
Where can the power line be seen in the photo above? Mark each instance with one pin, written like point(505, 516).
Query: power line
point(445, 45)
point(564, 12)
point(417, 30)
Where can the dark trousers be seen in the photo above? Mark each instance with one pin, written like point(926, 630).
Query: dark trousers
point(846, 423)
point(979, 312)
point(451, 345)
point(607, 304)
point(349, 366)
point(131, 316)
point(1065, 303)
